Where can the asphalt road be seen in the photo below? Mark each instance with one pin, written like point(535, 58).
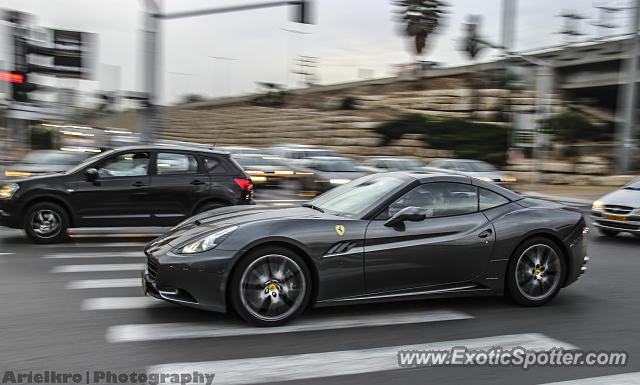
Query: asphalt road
point(78, 307)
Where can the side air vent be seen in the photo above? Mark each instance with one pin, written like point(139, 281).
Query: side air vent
point(343, 247)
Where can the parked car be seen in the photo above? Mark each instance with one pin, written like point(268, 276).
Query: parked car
point(474, 168)
point(391, 163)
point(322, 173)
point(41, 162)
point(265, 170)
point(131, 186)
point(618, 211)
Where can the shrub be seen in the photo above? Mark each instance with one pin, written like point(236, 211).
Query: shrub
point(466, 139)
point(571, 126)
point(349, 103)
point(405, 124)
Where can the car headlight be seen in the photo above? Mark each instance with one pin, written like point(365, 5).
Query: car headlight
point(597, 205)
point(208, 242)
point(484, 178)
point(7, 190)
point(636, 212)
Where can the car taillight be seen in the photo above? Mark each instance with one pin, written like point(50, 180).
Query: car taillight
point(244, 184)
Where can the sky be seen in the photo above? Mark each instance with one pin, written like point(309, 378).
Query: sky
point(227, 54)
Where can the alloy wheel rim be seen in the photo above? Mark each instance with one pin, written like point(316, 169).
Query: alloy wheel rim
point(272, 287)
point(46, 223)
point(538, 272)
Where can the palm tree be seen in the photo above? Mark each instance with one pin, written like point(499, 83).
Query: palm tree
point(422, 18)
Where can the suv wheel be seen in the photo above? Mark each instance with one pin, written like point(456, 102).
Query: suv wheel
point(46, 223)
point(209, 206)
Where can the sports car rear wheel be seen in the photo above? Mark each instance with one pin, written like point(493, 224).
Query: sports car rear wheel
point(270, 287)
point(535, 272)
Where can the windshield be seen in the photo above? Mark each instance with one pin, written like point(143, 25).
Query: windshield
point(478, 166)
point(256, 161)
point(90, 160)
point(635, 185)
point(406, 164)
point(337, 166)
point(356, 197)
point(54, 157)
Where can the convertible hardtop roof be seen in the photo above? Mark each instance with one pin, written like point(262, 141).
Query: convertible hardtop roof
point(429, 177)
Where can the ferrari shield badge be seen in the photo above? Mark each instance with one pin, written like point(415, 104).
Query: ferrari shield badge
point(340, 230)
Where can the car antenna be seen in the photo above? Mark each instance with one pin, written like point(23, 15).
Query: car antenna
point(216, 141)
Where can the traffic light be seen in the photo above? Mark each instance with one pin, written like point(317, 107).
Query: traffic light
point(472, 43)
point(20, 89)
point(302, 12)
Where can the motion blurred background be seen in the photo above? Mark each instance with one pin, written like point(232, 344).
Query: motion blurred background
point(544, 90)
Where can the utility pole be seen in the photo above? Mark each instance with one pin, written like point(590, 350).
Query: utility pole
point(508, 24)
point(151, 119)
point(571, 27)
point(626, 125)
point(604, 23)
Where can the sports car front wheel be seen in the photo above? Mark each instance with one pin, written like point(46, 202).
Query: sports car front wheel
point(535, 272)
point(270, 286)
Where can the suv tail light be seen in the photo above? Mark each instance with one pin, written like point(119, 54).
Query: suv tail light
point(244, 184)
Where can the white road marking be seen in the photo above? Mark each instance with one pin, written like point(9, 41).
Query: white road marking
point(632, 378)
point(98, 267)
point(103, 283)
point(7, 253)
point(129, 254)
point(114, 303)
point(170, 331)
point(339, 363)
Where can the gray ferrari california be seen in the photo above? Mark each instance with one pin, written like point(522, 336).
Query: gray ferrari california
point(382, 237)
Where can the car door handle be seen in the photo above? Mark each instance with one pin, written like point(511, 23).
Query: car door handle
point(139, 184)
point(485, 233)
point(197, 182)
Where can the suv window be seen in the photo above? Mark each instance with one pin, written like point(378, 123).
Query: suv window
point(131, 164)
point(173, 163)
point(489, 199)
point(215, 165)
point(438, 199)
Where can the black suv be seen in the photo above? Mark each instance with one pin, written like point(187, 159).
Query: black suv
point(132, 186)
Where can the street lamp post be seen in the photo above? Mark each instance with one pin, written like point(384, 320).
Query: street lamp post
point(152, 15)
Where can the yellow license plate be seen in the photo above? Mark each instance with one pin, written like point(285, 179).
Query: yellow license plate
point(612, 217)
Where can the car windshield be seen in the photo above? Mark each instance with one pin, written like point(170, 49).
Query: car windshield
point(54, 157)
point(90, 160)
point(406, 164)
point(339, 165)
point(356, 197)
point(477, 166)
point(635, 185)
point(256, 161)
point(315, 153)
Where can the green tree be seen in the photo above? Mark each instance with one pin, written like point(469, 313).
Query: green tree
point(421, 18)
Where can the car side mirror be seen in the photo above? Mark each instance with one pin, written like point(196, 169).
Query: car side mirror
point(411, 213)
point(91, 174)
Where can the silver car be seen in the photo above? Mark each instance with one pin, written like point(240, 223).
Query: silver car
point(474, 168)
point(618, 211)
